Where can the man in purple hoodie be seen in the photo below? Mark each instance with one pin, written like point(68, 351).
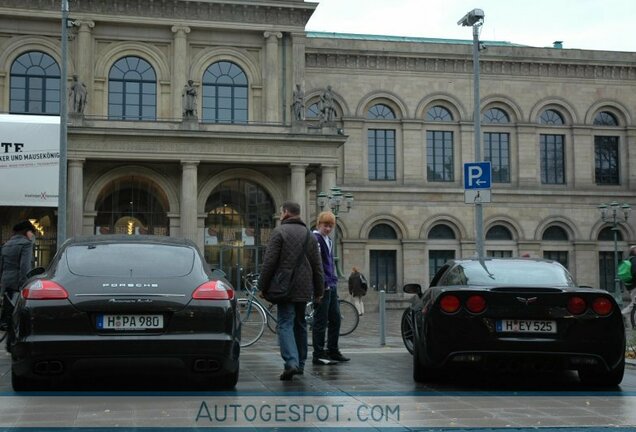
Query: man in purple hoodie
point(327, 313)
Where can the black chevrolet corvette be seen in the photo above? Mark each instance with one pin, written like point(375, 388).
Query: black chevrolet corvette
point(138, 305)
point(510, 315)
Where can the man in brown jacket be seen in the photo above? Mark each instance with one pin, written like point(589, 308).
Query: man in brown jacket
point(283, 249)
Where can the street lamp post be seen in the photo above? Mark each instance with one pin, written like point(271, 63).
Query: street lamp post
point(612, 213)
point(337, 202)
point(475, 19)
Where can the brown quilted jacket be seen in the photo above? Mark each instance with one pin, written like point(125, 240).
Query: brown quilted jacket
point(283, 249)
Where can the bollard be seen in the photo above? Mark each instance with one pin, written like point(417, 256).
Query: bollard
point(382, 307)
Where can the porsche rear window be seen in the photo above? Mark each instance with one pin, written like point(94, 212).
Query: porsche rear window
point(130, 260)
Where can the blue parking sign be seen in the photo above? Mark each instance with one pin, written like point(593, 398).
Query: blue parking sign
point(477, 175)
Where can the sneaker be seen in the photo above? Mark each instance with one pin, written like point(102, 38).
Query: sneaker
point(287, 374)
point(337, 356)
point(323, 359)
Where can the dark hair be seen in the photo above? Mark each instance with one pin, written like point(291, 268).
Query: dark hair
point(23, 227)
point(292, 207)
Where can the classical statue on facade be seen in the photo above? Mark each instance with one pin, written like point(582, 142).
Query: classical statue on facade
point(327, 106)
point(77, 96)
point(189, 96)
point(298, 104)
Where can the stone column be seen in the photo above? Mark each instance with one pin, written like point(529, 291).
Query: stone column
point(298, 186)
point(328, 178)
point(179, 63)
point(271, 76)
point(85, 59)
point(189, 199)
point(75, 197)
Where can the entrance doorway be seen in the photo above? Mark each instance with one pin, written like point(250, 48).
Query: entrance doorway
point(240, 218)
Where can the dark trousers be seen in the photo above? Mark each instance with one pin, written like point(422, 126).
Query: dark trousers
point(326, 317)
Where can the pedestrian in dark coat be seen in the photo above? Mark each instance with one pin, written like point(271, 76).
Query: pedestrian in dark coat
point(358, 289)
point(283, 249)
point(16, 260)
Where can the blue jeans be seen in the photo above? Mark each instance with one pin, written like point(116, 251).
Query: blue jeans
point(292, 334)
point(327, 317)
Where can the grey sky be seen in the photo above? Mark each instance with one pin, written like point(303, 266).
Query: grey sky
point(583, 24)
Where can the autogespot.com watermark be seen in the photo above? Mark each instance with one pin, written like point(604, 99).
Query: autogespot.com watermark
point(297, 413)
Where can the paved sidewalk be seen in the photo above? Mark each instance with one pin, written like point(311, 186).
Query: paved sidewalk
point(366, 336)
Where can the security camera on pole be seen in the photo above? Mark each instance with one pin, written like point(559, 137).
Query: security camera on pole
point(477, 174)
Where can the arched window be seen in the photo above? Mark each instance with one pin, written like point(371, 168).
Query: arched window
point(224, 93)
point(441, 232)
point(605, 118)
point(380, 112)
point(35, 84)
point(439, 113)
point(382, 231)
point(607, 234)
point(499, 232)
point(132, 205)
point(132, 90)
point(551, 117)
point(555, 233)
point(313, 111)
point(495, 115)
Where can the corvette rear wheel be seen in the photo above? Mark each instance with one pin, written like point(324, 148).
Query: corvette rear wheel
point(421, 373)
point(20, 383)
point(407, 330)
point(603, 379)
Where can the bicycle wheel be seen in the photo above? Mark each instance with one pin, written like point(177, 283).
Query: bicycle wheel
point(253, 319)
point(632, 316)
point(349, 317)
point(271, 321)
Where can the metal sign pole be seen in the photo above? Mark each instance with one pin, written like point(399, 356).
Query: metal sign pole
point(61, 199)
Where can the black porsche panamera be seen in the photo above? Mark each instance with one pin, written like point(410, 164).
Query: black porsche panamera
point(136, 305)
point(513, 315)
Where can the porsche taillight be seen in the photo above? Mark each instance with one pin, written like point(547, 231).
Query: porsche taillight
point(44, 289)
point(213, 290)
point(476, 304)
point(449, 303)
point(576, 305)
point(602, 306)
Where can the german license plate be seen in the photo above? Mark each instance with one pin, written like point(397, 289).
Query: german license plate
point(129, 322)
point(526, 326)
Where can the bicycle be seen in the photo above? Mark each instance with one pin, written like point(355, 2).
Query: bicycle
point(349, 317)
point(253, 313)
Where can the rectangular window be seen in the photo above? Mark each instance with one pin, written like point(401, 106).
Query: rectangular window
point(497, 151)
point(439, 156)
point(607, 269)
point(436, 259)
point(606, 160)
point(381, 146)
point(559, 256)
point(552, 159)
point(499, 253)
point(383, 270)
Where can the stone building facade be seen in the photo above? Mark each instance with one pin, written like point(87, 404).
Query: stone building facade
point(558, 126)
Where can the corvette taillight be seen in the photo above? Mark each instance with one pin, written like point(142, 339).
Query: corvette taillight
point(213, 290)
point(476, 304)
point(449, 303)
point(44, 289)
point(602, 306)
point(576, 305)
